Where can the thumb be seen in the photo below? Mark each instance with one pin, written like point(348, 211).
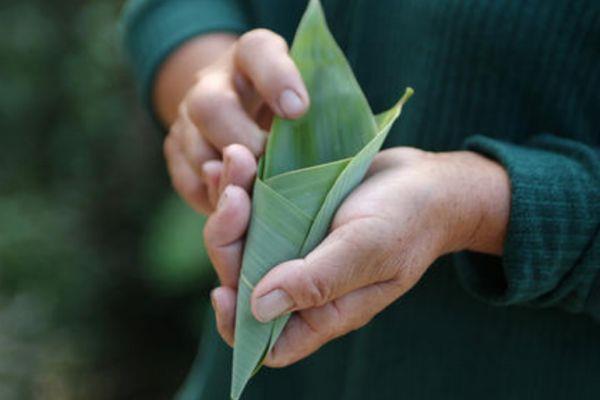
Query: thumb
point(262, 57)
point(351, 257)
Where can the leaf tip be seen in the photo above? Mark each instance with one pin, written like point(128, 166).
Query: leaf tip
point(314, 16)
point(407, 95)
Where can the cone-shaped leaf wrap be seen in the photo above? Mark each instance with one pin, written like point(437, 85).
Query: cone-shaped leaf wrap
point(309, 167)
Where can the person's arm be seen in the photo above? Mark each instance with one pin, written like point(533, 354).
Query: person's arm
point(552, 251)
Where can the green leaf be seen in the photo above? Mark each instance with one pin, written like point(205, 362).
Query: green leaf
point(340, 121)
point(309, 168)
point(308, 187)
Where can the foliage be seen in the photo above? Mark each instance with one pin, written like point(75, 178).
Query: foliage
point(84, 255)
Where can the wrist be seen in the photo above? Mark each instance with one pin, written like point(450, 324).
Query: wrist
point(476, 202)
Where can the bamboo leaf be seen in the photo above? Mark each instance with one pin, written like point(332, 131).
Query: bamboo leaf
point(308, 187)
point(341, 121)
point(309, 167)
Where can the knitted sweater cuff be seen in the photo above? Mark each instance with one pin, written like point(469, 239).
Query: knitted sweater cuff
point(551, 252)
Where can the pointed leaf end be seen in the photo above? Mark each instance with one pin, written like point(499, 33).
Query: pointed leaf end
point(407, 95)
point(313, 20)
point(235, 395)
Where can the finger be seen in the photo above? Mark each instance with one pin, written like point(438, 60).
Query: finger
point(224, 231)
point(215, 108)
point(351, 257)
point(310, 329)
point(253, 103)
point(249, 97)
point(184, 179)
point(211, 174)
point(239, 168)
point(264, 118)
point(223, 300)
point(262, 56)
point(196, 149)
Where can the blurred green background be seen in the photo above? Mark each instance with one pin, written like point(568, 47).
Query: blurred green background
point(103, 279)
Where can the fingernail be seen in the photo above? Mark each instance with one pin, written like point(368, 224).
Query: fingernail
point(206, 169)
point(210, 169)
point(272, 305)
point(223, 199)
point(291, 104)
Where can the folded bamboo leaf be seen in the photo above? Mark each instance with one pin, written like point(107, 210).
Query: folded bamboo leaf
point(310, 166)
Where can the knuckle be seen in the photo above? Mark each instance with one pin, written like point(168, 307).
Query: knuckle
point(370, 254)
point(367, 247)
point(197, 151)
point(200, 104)
point(208, 99)
point(316, 290)
point(179, 184)
point(197, 155)
point(191, 191)
point(260, 38)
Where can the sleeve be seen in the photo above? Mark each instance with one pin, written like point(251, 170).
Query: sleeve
point(152, 29)
point(552, 250)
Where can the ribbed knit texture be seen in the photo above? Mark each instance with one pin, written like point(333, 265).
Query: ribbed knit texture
point(516, 81)
point(551, 252)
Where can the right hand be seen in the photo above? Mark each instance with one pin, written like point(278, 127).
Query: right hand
point(232, 101)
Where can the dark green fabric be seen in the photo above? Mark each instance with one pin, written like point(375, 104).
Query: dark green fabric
point(552, 249)
point(516, 81)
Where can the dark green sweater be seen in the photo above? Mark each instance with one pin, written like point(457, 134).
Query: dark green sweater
point(516, 81)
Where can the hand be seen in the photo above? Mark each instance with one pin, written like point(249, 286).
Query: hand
point(412, 208)
point(231, 102)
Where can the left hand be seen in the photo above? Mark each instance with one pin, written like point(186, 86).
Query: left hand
point(412, 208)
